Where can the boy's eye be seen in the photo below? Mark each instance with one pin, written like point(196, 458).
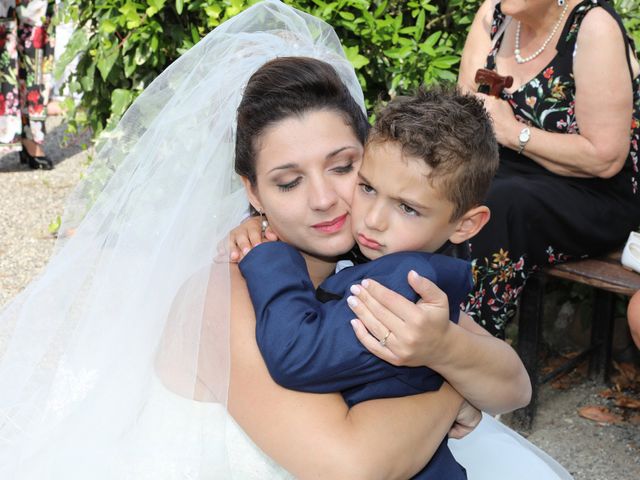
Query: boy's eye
point(344, 168)
point(288, 186)
point(366, 188)
point(408, 210)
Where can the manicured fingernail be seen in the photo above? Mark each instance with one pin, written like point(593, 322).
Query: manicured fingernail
point(355, 289)
point(352, 301)
point(234, 256)
point(414, 274)
point(354, 324)
point(365, 283)
point(245, 250)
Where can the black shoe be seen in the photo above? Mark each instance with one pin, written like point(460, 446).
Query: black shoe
point(35, 163)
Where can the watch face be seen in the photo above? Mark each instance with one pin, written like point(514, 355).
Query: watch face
point(524, 134)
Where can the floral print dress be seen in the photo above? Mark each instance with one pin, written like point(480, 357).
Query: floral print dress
point(25, 66)
point(538, 217)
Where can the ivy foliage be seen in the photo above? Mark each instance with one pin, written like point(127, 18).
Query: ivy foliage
point(394, 45)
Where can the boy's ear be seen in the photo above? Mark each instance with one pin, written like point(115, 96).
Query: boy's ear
point(470, 224)
point(252, 193)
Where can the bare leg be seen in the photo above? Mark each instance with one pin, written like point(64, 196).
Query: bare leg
point(633, 317)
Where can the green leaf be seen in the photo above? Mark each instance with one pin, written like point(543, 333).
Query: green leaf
point(120, 101)
point(399, 53)
point(54, 225)
point(445, 62)
point(195, 35)
point(353, 55)
point(154, 43)
point(130, 66)
point(108, 26)
point(419, 26)
point(105, 61)
point(213, 11)
point(381, 9)
point(179, 6)
point(88, 79)
point(433, 39)
point(446, 75)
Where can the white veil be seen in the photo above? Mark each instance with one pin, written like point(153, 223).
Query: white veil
point(120, 305)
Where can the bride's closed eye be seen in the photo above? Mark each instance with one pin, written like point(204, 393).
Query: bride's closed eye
point(288, 186)
point(342, 169)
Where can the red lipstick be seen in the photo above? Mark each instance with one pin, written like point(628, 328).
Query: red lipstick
point(332, 226)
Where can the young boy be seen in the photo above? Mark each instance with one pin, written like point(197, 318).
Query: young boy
point(427, 166)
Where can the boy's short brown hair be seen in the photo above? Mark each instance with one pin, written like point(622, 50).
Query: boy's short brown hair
point(452, 133)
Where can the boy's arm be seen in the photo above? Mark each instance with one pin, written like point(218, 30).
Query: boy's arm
point(307, 345)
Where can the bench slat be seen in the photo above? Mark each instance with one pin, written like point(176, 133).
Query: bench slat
point(605, 273)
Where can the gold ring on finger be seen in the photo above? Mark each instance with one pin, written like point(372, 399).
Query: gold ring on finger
point(383, 342)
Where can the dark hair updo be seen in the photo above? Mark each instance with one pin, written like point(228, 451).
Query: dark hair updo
point(286, 87)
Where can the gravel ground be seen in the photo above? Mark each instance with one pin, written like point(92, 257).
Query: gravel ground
point(31, 200)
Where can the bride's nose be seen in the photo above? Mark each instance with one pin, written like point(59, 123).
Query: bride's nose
point(322, 194)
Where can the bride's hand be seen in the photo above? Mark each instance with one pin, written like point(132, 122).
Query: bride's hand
point(467, 420)
point(399, 331)
point(246, 236)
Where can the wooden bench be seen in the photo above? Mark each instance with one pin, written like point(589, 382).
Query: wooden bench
point(608, 278)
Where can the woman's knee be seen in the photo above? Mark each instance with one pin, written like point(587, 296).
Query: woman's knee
point(633, 317)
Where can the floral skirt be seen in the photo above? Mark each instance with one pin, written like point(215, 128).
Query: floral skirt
point(25, 66)
point(539, 218)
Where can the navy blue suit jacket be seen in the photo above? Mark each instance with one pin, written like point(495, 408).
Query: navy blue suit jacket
point(309, 345)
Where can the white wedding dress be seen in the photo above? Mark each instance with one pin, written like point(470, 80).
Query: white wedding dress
point(491, 452)
point(124, 294)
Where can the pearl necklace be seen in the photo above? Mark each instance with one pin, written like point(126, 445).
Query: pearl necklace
point(516, 51)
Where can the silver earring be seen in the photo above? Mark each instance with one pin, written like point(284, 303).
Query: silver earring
point(265, 223)
point(561, 3)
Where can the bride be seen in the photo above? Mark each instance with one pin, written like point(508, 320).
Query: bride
point(126, 356)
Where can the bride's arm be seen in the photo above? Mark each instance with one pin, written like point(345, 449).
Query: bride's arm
point(317, 436)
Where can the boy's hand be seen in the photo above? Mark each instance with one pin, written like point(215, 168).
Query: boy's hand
point(246, 236)
point(467, 420)
point(399, 331)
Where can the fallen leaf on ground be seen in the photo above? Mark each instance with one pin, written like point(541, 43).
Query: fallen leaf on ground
point(608, 393)
point(628, 373)
point(627, 402)
point(563, 383)
point(599, 414)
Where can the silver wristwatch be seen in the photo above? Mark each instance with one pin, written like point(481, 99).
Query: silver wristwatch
point(523, 138)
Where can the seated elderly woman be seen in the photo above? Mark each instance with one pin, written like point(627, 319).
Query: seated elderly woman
point(567, 186)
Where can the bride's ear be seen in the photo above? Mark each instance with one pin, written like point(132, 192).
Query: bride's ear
point(252, 193)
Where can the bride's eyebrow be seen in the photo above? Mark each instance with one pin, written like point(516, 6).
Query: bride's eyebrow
point(286, 166)
point(339, 150)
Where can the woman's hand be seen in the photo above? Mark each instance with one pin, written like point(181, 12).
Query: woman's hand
point(483, 369)
point(467, 420)
point(246, 236)
point(397, 330)
point(506, 127)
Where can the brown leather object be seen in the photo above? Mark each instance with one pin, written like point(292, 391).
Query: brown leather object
point(493, 80)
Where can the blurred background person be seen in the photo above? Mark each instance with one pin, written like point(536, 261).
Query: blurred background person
point(569, 130)
point(25, 62)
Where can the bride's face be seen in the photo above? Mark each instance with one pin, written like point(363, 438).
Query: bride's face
point(305, 177)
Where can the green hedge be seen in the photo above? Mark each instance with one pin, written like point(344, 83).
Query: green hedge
point(394, 45)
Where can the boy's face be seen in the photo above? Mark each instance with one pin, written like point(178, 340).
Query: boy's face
point(394, 206)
